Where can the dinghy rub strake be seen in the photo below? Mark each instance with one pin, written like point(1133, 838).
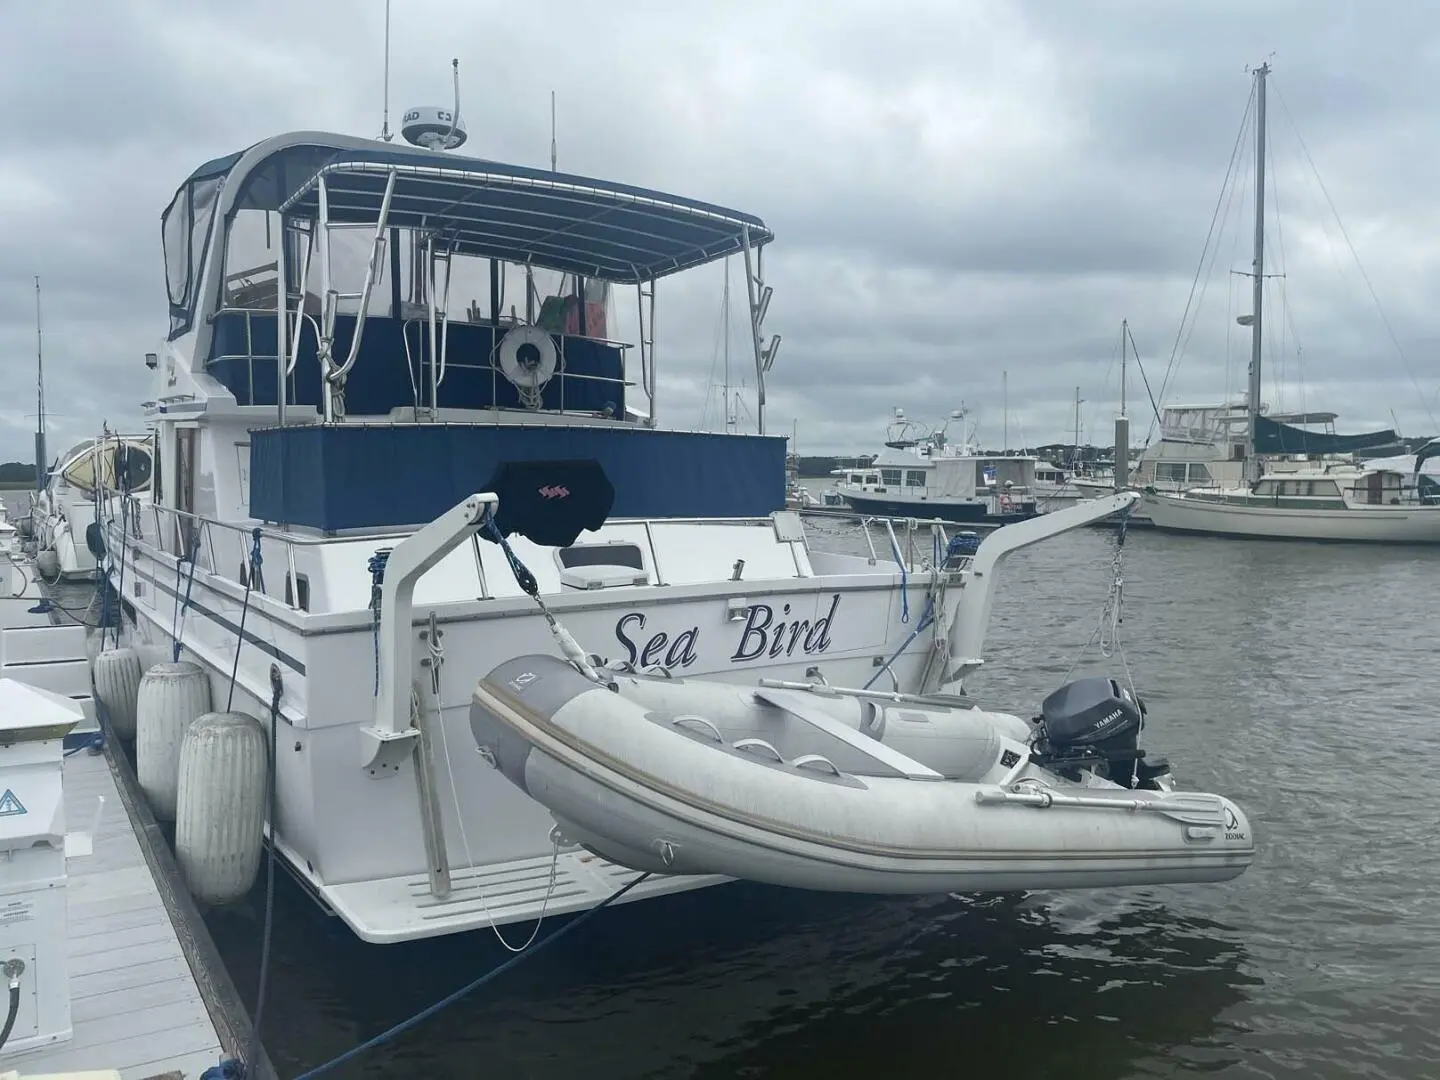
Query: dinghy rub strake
point(838, 792)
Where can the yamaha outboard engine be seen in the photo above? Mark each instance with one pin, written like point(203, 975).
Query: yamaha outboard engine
point(1095, 723)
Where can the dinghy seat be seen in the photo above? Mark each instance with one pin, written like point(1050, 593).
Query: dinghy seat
point(888, 760)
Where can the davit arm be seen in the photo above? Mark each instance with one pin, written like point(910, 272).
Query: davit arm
point(972, 614)
point(391, 739)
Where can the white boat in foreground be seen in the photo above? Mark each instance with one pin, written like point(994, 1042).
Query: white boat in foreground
point(808, 786)
point(315, 556)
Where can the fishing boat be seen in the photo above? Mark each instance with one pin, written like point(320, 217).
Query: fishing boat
point(384, 356)
point(1322, 497)
point(922, 473)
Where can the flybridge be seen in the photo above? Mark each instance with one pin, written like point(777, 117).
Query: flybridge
point(436, 341)
point(439, 226)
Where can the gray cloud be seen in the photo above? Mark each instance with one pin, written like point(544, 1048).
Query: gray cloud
point(959, 189)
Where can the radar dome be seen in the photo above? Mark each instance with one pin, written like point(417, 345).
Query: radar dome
point(433, 128)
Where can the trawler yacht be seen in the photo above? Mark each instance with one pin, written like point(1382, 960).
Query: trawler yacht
point(393, 411)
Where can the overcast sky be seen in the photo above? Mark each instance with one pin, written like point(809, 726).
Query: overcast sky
point(959, 189)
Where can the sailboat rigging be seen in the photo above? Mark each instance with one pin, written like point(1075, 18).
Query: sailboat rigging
point(1336, 500)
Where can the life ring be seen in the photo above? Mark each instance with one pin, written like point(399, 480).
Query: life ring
point(527, 357)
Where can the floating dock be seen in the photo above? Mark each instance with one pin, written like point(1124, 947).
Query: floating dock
point(135, 1003)
point(148, 996)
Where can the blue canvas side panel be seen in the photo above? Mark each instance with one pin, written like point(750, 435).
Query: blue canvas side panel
point(352, 476)
point(590, 376)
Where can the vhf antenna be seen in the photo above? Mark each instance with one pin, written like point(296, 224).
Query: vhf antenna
point(385, 135)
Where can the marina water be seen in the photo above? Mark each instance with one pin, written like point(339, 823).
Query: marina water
point(1298, 677)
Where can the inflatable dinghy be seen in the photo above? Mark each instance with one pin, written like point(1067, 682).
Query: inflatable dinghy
point(817, 788)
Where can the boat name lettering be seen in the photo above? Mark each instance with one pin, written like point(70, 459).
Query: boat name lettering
point(659, 648)
point(764, 635)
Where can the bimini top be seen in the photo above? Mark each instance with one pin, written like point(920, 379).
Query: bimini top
point(553, 221)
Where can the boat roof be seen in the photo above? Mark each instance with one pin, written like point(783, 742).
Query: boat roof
point(1305, 417)
point(550, 220)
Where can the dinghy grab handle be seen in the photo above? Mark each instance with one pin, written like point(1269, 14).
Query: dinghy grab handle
point(701, 722)
point(817, 762)
point(750, 746)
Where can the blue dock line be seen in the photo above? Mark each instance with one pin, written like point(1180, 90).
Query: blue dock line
point(177, 629)
point(450, 999)
point(256, 559)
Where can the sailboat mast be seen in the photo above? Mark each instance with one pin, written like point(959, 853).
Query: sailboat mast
point(1078, 400)
point(1005, 408)
point(40, 457)
point(1124, 335)
point(725, 344)
point(1252, 470)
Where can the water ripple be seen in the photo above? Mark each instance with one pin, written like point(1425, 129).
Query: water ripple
point(1289, 676)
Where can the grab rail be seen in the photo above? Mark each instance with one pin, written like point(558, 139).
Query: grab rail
point(178, 532)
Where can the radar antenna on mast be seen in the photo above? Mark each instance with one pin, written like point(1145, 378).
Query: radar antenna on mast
point(435, 128)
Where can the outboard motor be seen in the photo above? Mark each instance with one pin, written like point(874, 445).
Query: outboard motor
point(1095, 723)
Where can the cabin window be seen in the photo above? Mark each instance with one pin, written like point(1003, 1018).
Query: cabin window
point(1265, 487)
point(890, 477)
point(1200, 474)
point(1171, 471)
point(915, 478)
point(176, 237)
point(621, 554)
point(251, 263)
point(297, 591)
point(871, 478)
point(185, 233)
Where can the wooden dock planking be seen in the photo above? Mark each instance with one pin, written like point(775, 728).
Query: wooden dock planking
point(135, 1004)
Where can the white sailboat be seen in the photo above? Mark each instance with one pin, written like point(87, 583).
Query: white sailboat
point(1326, 501)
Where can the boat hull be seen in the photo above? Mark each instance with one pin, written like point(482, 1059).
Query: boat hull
point(961, 513)
point(646, 792)
point(1358, 524)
